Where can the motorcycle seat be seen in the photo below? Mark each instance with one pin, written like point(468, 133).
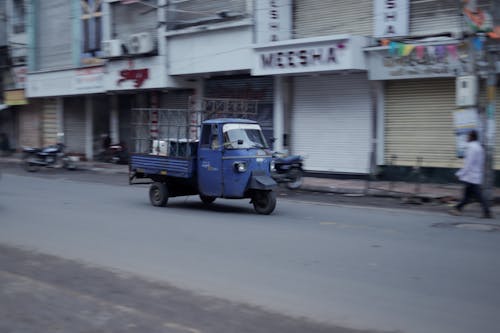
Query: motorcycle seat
point(31, 150)
point(287, 159)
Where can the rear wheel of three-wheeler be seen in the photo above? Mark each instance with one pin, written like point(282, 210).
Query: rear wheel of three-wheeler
point(158, 194)
point(264, 202)
point(207, 199)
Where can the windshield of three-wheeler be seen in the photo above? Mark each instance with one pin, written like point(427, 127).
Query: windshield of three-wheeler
point(241, 136)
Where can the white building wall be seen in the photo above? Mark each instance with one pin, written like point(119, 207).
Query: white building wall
point(219, 50)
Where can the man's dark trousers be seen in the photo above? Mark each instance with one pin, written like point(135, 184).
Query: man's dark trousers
point(472, 191)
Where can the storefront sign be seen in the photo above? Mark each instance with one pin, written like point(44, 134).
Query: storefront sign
point(138, 76)
point(273, 20)
point(89, 78)
point(391, 18)
point(310, 56)
point(15, 97)
point(417, 62)
point(20, 76)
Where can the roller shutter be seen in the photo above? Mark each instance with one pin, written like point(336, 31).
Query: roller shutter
point(321, 18)
point(74, 124)
point(419, 123)
point(53, 42)
point(49, 122)
point(257, 90)
point(29, 125)
point(434, 17)
point(331, 122)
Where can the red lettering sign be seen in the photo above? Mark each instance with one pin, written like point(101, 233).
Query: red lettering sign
point(136, 75)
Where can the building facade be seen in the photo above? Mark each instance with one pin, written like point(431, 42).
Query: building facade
point(349, 85)
point(417, 61)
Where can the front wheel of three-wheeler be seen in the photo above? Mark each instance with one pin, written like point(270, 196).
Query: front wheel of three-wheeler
point(158, 194)
point(264, 202)
point(206, 199)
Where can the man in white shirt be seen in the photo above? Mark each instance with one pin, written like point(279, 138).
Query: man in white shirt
point(472, 175)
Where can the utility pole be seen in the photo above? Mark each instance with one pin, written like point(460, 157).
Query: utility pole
point(491, 87)
point(483, 52)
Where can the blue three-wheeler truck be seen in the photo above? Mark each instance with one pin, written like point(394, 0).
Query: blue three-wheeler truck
point(230, 160)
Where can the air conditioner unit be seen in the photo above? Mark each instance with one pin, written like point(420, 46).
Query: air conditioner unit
point(111, 48)
point(18, 61)
point(466, 90)
point(140, 43)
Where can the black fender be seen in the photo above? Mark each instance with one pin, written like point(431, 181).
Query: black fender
point(261, 181)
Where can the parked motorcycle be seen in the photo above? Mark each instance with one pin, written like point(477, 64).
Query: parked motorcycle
point(117, 153)
point(51, 156)
point(288, 169)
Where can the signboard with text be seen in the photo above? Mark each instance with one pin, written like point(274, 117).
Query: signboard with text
point(428, 62)
point(310, 55)
point(273, 20)
point(391, 18)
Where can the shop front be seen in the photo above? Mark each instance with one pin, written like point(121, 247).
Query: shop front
point(420, 109)
point(322, 100)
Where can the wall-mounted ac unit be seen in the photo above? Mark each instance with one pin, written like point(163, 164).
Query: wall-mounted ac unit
point(466, 90)
point(140, 43)
point(111, 48)
point(18, 61)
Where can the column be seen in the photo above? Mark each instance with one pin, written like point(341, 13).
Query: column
point(60, 120)
point(279, 113)
point(114, 120)
point(89, 125)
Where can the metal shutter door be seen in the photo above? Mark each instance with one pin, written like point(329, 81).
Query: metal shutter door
point(419, 123)
point(433, 17)
point(331, 122)
point(74, 124)
point(49, 122)
point(29, 125)
point(321, 18)
point(54, 34)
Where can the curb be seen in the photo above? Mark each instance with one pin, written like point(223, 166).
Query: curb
point(379, 193)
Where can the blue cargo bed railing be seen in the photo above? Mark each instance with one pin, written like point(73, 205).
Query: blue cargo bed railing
point(162, 165)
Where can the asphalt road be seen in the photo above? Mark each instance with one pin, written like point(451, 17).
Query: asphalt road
point(357, 267)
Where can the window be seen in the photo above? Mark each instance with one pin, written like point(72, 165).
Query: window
point(91, 25)
point(18, 16)
point(205, 139)
point(241, 136)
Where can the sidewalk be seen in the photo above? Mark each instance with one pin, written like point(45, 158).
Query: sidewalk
point(425, 192)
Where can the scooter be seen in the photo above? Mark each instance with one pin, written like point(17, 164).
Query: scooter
point(117, 153)
point(287, 169)
point(51, 156)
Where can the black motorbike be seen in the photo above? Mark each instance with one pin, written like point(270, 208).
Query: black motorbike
point(51, 156)
point(288, 169)
point(116, 153)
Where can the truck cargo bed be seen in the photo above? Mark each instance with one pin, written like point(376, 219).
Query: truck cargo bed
point(162, 165)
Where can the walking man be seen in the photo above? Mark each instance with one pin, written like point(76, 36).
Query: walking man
point(472, 175)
